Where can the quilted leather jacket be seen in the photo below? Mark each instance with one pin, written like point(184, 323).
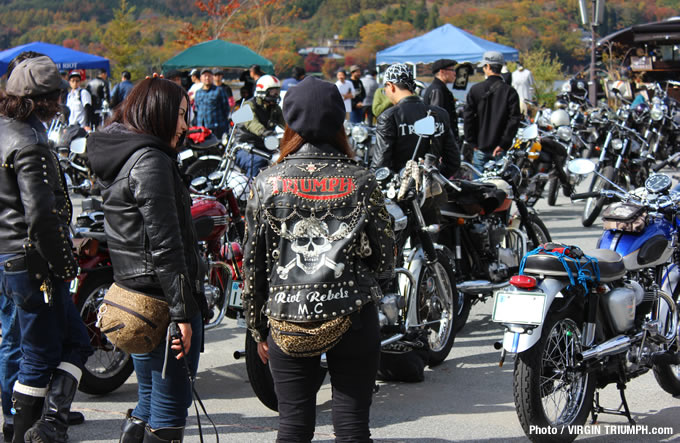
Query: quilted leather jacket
point(147, 218)
point(34, 201)
point(396, 139)
point(318, 237)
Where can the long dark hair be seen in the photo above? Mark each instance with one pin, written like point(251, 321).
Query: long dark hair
point(152, 108)
point(292, 141)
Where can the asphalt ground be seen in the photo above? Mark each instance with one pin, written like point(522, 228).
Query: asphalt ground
point(467, 398)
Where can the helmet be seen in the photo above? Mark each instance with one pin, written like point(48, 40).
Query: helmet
point(559, 118)
point(402, 74)
point(268, 88)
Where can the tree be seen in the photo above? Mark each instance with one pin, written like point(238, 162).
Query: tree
point(432, 18)
point(123, 42)
point(546, 69)
point(219, 15)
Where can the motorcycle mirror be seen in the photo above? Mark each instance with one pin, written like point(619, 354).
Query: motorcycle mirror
point(424, 126)
point(581, 166)
point(530, 132)
point(271, 142)
point(244, 114)
point(78, 145)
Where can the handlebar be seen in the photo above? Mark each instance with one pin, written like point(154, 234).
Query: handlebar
point(584, 195)
point(261, 153)
point(671, 159)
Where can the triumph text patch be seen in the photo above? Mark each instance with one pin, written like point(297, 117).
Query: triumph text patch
point(325, 188)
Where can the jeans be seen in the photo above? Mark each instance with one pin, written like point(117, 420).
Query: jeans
point(163, 403)
point(10, 353)
point(357, 115)
point(480, 158)
point(352, 365)
point(251, 164)
point(50, 333)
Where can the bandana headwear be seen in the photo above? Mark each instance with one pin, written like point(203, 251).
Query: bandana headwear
point(400, 73)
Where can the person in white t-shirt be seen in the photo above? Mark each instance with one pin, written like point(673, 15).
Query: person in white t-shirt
point(196, 85)
point(79, 103)
point(346, 91)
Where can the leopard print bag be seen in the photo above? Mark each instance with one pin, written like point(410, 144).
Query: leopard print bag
point(308, 339)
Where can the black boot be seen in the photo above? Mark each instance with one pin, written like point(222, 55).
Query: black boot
point(75, 418)
point(53, 425)
point(164, 435)
point(27, 410)
point(133, 429)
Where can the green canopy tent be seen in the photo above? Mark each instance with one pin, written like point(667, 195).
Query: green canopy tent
point(218, 53)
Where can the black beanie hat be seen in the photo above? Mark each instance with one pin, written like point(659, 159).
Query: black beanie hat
point(314, 109)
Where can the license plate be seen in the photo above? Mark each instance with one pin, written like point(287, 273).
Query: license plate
point(521, 307)
point(186, 154)
point(235, 296)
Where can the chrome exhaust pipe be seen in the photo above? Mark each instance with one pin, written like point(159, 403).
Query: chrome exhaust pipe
point(474, 287)
point(614, 346)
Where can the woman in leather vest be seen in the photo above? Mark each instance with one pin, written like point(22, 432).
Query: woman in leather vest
point(153, 244)
point(318, 238)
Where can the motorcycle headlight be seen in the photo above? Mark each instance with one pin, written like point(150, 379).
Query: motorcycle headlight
point(564, 133)
point(359, 134)
point(617, 144)
point(656, 113)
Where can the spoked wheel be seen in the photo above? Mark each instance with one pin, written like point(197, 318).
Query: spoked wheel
point(463, 308)
point(668, 375)
point(594, 205)
point(436, 305)
point(109, 367)
point(549, 390)
point(542, 234)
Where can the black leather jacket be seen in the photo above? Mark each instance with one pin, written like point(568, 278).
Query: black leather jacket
point(318, 237)
point(438, 94)
point(34, 201)
point(147, 210)
point(396, 139)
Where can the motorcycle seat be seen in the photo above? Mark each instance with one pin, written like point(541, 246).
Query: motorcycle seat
point(610, 264)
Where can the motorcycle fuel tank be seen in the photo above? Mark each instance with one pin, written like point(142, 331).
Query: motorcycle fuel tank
point(644, 249)
point(210, 218)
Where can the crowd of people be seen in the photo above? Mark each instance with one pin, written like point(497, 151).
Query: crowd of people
point(153, 243)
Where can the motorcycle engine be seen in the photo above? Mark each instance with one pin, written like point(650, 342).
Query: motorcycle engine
point(212, 295)
point(487, 237)
point(389, 308)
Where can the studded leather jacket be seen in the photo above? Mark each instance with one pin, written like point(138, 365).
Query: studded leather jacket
point(318, 237)
point(34, 203)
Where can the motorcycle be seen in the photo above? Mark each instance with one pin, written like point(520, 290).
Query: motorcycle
point(362, 141)
point(490, 228)
point(421, 294)
point(578, 322)
point(202, 153)
point(109, 367)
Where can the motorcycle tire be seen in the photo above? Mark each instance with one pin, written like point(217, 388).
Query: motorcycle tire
point(594, 205)
point(542, 378)
point(108, 368)
point(553, 190)
point(463, 308)
point(202, 168)
point(432, 306)
point(668, 377)
point(260, 377)
point(541, 232)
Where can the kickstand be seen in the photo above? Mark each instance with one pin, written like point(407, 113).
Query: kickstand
point(598, 409)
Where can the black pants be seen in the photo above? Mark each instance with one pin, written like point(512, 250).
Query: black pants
point(352, 365)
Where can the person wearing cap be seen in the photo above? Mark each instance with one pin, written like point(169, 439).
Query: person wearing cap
point(267, 115)
point(291, 252)
point(523, 82)
point(218, 79)
point(79, 103)
point(36, 259)
point(195, 76)
point(357, 114)
point(439, 94)
point(395, 139)
point(346, 90)
point(212, 105)
point(122, 89)
point(491, 115)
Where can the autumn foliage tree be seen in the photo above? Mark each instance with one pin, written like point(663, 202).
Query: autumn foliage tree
point(124, 43)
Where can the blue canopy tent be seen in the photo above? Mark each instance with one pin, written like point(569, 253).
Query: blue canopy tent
point(446, 41)
point(65, 58)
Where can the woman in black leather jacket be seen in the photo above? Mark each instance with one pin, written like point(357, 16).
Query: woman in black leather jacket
point(318, 237)
point(153, 243)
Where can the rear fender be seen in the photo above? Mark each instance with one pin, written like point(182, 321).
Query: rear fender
point(516, 342)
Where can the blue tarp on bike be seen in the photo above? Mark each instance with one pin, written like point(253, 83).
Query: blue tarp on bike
point(65, 58)
point(446, 41)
